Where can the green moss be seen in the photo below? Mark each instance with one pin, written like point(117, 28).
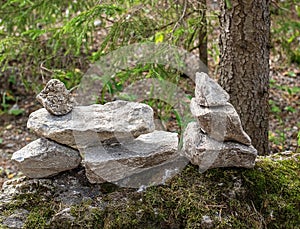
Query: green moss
point(39, 217)
point(274, 187)
point(86, 216)
point(41, 208)
point(266, 196)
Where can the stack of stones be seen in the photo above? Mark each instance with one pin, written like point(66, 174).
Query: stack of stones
point(217, 138)
point(116, 142)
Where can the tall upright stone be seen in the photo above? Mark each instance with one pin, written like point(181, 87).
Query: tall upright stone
point(208, 93)
point(221, 123)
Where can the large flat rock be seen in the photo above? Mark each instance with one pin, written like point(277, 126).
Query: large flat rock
point(220, 123)
point(208, 153)
point(87, 125)
point(117, 162)
point(43, 158)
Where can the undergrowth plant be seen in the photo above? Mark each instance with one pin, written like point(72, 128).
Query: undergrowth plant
point(286, 30)
point(280, 112)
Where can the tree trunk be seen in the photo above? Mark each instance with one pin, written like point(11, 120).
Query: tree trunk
point(203, 34)
point(244, 65)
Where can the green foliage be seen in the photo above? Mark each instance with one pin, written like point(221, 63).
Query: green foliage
point(281, 112)
point(56, 39)
point(278, 138)
point(298, 141)
point(16, 112)
point(286, 30)
point(228, 4)
point(7, 99)
point(49, 31)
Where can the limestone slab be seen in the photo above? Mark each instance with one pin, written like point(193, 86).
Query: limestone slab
point(87, 125)
point(208, 153)
point(220, 123)
point(120, 161)
point(43, 158)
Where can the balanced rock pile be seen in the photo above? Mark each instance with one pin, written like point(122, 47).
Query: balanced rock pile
point(217, 139)
point(114, 142)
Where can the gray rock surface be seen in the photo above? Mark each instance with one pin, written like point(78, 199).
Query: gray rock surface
point(207, 222)
point(16, 220)
point(43, 158)
point(220, 123)
point(209, 93)
point(56, 98)
point(87, 125)
point(63, 219)
point(155, 175)
point(208, 153)
point(69, 189)
point(118, 161)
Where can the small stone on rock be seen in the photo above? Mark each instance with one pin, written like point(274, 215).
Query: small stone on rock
point(56, 98)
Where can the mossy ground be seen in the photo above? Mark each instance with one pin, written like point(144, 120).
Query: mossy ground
point(267, 196)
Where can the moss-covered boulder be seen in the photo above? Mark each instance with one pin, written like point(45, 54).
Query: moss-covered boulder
point(267, 196)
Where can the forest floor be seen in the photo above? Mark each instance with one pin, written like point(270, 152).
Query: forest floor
point(284, 118)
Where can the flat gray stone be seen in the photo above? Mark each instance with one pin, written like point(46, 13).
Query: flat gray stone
point(208, 153)
point(88, 125)
point(43, 158)
point(56, 98)
point(209, 93)
point(115, 162)
point(220, 123)
point(155, 175)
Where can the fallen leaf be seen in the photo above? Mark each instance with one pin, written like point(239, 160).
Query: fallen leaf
point(9, 127)
point(9, 176)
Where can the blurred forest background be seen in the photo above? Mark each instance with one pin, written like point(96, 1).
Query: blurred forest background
point(40, 40)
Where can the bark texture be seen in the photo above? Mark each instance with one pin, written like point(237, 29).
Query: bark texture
point(203, 34)
point(244, 66)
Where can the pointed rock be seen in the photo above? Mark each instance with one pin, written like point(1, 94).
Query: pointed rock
point(121, 161)
point(56, 98)
point(87, 125)
point(43, 158)
point(209, 93)
point(208, 153)
point(220, 123)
